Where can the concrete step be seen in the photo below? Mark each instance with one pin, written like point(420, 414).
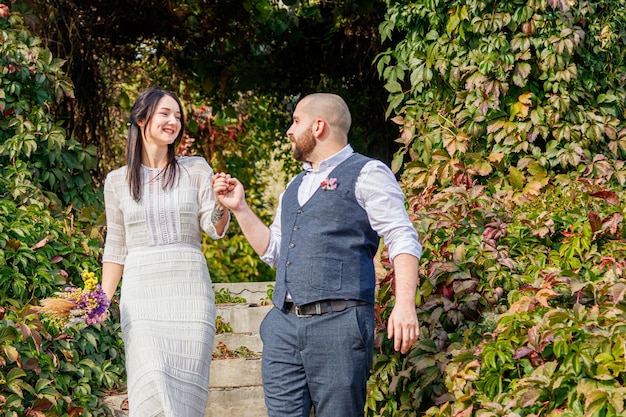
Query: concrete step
point(252, 341)
point(115, 403)
point(235, 372)
point(236, 388)
point(236, 402)
point(252, 292)
point(243, 318)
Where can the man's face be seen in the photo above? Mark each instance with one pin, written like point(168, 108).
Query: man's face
point(303, 145)
point(300, 134)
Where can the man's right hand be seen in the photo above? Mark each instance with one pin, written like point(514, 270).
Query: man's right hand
point(228, 191)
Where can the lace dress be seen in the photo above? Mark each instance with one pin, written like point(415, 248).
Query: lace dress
point(167, 302)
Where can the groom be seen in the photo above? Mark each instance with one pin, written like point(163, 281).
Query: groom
point(318, 339)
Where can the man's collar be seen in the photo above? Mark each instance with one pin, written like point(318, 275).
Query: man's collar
point(332, 161)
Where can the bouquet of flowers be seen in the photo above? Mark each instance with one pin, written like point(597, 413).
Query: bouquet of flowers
point(77, 305)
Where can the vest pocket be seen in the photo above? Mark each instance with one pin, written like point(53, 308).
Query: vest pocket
point(326, 273)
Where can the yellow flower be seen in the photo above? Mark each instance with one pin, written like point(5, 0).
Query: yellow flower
point(89, 278)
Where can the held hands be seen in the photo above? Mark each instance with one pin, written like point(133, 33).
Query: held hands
point(228, 191)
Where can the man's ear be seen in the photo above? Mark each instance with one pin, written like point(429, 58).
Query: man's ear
point(319, 126)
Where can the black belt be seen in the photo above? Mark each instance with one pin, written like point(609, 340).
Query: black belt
point(322, 307)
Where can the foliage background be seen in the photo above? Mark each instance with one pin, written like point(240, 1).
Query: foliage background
point(512, 149)
point(508, 136)
point(49, 233)
point(239, 66)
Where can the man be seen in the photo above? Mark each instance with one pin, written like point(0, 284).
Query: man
point(318, 339)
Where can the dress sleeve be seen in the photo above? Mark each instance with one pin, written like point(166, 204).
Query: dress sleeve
point(207, 201)
point(115, 244)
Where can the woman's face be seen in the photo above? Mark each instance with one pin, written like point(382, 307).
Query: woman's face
point(165, 124)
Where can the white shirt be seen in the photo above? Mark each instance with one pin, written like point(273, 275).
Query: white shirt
point(377, 192)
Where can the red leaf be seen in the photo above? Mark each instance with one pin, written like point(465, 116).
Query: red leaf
point(522, 352)
point(42, 404)
point(612, 223)
point(33, 365)
point(595, 221)
point(609, 196)
point(75, 411)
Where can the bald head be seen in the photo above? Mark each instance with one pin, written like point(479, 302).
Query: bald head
point(329, 107)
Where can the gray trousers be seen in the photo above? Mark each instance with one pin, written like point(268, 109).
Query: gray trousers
point(321, 361)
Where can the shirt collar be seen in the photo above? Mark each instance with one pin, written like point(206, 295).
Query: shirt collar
point(332, 161)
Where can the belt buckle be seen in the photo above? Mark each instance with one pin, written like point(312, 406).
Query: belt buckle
point(300, 314)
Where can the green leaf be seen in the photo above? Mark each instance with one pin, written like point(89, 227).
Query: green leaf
point(595, 402)
point(393, 87)
point(91, 338)
point(517, 178)
point(396, 163)
point(15, 374)
point(520, 76)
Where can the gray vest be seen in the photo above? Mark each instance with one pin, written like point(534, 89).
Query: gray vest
point(327, 245)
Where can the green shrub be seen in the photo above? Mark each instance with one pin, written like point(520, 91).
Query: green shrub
point(50, 231)
point(512, 130)
point(35, 156)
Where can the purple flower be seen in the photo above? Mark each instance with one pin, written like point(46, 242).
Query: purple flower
point(79, 305)
point(329, 184)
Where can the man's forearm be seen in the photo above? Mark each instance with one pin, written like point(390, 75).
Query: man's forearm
point(406, 276)
point(253, 228)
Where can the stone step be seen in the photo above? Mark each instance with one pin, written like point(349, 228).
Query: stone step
point(252, 292)
point(236, 388)
point(236, 402)
point(243, 318)
point(251, 341)
point(115, 405)
point(235, 372)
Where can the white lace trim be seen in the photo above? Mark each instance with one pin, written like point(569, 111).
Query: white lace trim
point(162, 209)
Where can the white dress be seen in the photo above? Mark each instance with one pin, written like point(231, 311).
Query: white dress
point(167, 303)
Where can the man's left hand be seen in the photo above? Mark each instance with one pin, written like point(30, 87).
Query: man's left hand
point(403, 327)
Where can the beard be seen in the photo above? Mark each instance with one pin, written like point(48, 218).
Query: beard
point(303, 145)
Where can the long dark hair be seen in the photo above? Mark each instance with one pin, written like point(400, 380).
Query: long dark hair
point(143, 109)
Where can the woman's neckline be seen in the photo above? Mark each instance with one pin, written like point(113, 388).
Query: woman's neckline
point(151, 168)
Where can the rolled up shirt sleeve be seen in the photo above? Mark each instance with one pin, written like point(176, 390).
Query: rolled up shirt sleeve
point(378, 192)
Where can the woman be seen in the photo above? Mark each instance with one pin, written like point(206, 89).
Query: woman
point(156, 208)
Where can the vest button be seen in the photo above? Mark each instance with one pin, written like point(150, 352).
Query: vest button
point(299, 211)
point(292, 245)
point(287, 263)
point(295, 228)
